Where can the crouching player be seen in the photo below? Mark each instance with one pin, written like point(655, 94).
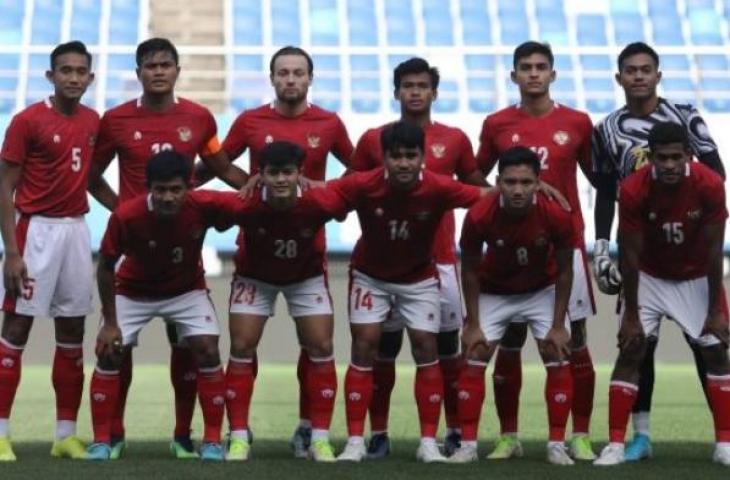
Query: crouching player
point(525, 273)
point(160, 237)
point(671, 226)
point(283, 252)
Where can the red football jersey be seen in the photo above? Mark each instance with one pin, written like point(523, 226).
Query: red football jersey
point(398, 228)
point(520, 255)
point(561, 139)
point(317, 131)
point(136, 133)
point(448, 152)
point(54, 151)
point(671, 218)
point(284, 246)
point(162, 256)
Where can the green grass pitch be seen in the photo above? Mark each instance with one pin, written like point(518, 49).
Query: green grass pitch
point(682, 430)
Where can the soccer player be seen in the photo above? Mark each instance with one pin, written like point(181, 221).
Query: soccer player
point(526, 272)
point(292, 118)
point(283, 254)
point(674, 209)
point(159, 237)
point(47, 270)
point(157, 121)
point(448, 151)
point(400, 208)
point(619, 144)
point(561, 138)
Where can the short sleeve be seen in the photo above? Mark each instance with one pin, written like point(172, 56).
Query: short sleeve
point(362, 158)
point(699, 134)
point(17, 140)
point(466, 163)
point(629, 211)
point(342, 147)
point(347, 189)
point(486, 155)
point(211, 145)
point(222, 210)
point(327, 202)
point(235, 142)
point(105, 148)
point(714, 202)
point(113, 240)
point(563, 234)
point(472, 238)
point(459, 195)
point(600, 156)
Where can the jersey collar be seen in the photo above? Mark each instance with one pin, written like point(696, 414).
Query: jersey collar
point(174, 100)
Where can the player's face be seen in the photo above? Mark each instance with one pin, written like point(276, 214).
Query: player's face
point(291, 79)
point(158, 73)
point(669, 161)
point(517, 184)
point(533, 75)
point(639, 76)
point(416, 93)
point(404, 166)
point(168, 196)
point(280, 181)
point(70, 76)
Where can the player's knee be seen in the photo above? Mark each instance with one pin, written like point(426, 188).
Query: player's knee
point(424, 348)
point(390, 344)
point(16, 328)
point(171, 331)
point(515, 336)
point(716, 359)
point(447, 343)
point(321, 348)
point(242, 347)
point(109, 362)
point(578, 335)
point(70, 330)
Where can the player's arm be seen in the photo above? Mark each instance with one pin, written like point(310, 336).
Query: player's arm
point(715, 322)
point(100, 189)
point(223, 168)
point(471, 257)
point(109, 338)
point(631, 331)
point(558, 337)
point(14, 270)
point(105, 150)
point(605, 271)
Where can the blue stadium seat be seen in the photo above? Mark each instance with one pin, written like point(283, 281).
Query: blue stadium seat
point(667, 29)
point(716, 105)
point(479, 62)
point(597, 63)
point(324, 25)
point(674, 62)
point(394, 60)
point(677, 84)
point(591, 30)
point(439, 32)
point(365, 94)
point(716, 93)
point(705, 27)
point(625, 7)
point(326, 63)
point(122, 62)
point(8, 84)
point(514, 28)
point(9, 61)
point(511, 6)
point(247, 23)
point(364, 63)
point(123, 30)
point(600, 105)
point(628, 28)
point(448, 99)
point(715, 84)
point(363, 28)
point(545, 6)
point(712, 62)
point(400, 28)
point(698, 4)
point(553, 28)
point(563, 84)
point(7, 105)
point(563, 63)
point(326, 92)
point(85, 18)
point(477, 29)
point(11, 22)
point(46, 22)
point(331, 103)
point(38, 63)
point(599, 85)
point(249, 63)
point(662, 7)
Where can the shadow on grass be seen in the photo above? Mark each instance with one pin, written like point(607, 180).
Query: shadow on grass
point(272, 459)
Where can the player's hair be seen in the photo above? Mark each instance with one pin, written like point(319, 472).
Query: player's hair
point(516, 156)
point(416, 65)
point(280, 154)
point(668, 132)
point(168, 165)
point(291, 50)
point(155, 45)
point(634, 49)
point(74, 46)
point(529, 48)
point(401, 135)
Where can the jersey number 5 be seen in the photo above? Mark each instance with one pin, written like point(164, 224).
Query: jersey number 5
point(75, 159)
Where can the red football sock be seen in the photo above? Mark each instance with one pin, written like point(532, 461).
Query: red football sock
point(383, 383)
point(584, 385)
point(302, 375)
point(507, 383)
point(429, 391)
point(718, 389)
point(450, 369)
point(125, 380)
point(471, 399)
point(559, 398)
point(212, 392)
point(68, 380)
point(358, 392)
point(183, 374)
point(10, 366)
point(621, 398)
point(103, 391)
point(321, 391)
point(239, 389)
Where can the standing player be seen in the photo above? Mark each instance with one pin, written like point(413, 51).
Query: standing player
point(400, 209)
point(47, 270)
point(527, 272)
point(674, 209)
point(318, 132)
point(160, 238)
point(448, 151)
point(157, 121)
point(561, 137)
point(619, 145)
point(284, 255)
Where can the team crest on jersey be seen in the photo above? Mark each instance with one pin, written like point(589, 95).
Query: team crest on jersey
point(694, 214)
point(515, 138)
point(423, 215)
point(185, 134)
point(438, 150)
point(561, 137)
point(92, 140)
point(306, 233)
point(137, 135)
point(312, 140)
point(56, 138)
point(379, 212)
point(268, 139)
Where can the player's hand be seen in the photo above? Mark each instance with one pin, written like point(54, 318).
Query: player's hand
point(554, 194)
point(247, 190)
point(631, 334)
point(557, 341)
point(109, 341)
point(15, 274)
point(472, 337)
point(307, 183)
point(607, 274)
point(716, 324)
